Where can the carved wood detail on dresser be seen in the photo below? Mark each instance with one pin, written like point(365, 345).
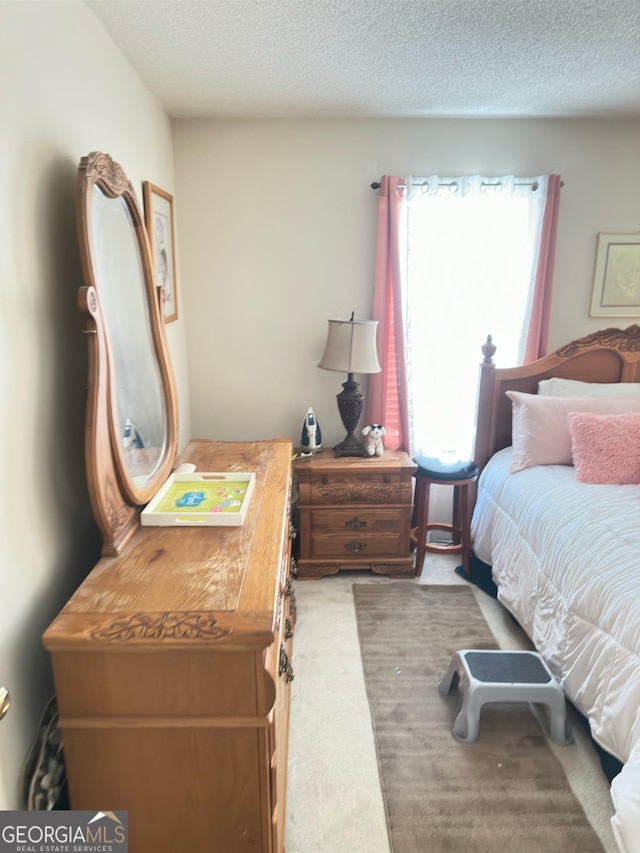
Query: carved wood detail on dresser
point(172, 667)
point(355, 513)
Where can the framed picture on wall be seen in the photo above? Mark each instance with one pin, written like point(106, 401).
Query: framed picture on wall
point(158, 214)
point(616, 280)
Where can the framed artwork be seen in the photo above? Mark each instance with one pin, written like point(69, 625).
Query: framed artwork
point(158, 214)
point(616, 280)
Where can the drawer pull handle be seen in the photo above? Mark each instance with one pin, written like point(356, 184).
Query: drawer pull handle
point(285, 667)
point(324, 480)
point(355, 523)
point(356, 546)
point(288, 629)
point(386, 479)
point(292, 608)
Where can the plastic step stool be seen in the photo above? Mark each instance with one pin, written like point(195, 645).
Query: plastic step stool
point(503, 676)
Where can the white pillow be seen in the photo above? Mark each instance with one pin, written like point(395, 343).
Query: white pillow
point(557, 387)
point(540, 425)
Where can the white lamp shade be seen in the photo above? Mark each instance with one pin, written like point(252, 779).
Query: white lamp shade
point(351, 347)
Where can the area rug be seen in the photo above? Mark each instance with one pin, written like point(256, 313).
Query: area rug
point(505, 792)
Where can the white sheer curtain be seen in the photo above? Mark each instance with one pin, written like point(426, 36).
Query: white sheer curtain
point(469, 254)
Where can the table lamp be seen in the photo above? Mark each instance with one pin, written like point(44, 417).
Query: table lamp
point(351, 348)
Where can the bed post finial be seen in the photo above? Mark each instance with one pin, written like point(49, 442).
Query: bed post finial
point(488, 350)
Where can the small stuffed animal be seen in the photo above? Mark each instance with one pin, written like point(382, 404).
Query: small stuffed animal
point(373, 439)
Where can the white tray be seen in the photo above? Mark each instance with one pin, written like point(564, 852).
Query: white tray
point(210, 499)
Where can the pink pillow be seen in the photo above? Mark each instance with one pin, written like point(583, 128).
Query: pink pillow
point(541, 434)
point(606, 448)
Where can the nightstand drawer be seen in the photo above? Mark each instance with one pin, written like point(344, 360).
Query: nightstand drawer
point(338, 522)
point(358, 546)
point(375, 489)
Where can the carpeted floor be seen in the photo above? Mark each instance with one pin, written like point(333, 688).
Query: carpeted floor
point(505, 791)
point(334, 797)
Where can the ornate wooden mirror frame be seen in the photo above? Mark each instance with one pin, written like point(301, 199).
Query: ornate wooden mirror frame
point(131, 425)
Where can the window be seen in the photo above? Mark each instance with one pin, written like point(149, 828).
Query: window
point(469, 252)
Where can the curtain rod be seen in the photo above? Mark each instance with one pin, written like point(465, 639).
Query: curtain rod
point(421, 182)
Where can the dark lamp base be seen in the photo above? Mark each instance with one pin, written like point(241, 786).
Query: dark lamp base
point(350, 448)
point(350, 408)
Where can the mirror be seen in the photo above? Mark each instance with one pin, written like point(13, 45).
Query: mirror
point(138, 408)
point(131, 433)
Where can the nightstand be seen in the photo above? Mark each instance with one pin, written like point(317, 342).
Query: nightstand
point(355, 513)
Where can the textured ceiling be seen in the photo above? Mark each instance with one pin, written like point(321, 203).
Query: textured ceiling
point(370, 58)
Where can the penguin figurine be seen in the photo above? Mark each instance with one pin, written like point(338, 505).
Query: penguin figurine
point(311, 437)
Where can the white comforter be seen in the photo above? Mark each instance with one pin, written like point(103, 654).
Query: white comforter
point(566, 559)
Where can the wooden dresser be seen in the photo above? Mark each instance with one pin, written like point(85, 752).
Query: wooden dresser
point(355, 513)
point(172, 664)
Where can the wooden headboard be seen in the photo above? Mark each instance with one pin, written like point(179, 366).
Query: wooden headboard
point(610, 355)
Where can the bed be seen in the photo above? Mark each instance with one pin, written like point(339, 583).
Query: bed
point(563, 547)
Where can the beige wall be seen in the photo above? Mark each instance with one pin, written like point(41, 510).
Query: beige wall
point(277, 228)
point(66, 90)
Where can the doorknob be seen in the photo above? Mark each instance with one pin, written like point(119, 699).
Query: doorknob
point(5, 701)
